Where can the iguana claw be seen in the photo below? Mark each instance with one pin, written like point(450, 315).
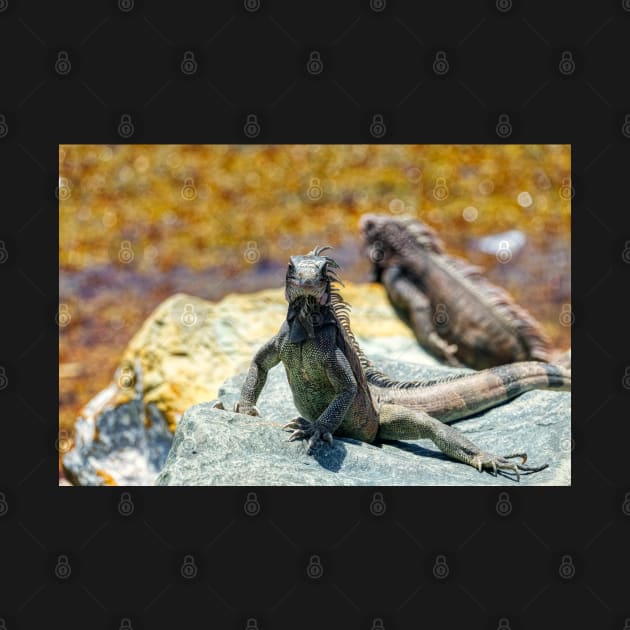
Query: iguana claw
point(495, 462)
point(296, 435)
point(297, 423)
point(523, 456)
point(303, 429)
point(248, 411)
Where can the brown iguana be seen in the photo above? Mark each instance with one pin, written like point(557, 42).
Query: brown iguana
point(337, 390)
point(456, 314)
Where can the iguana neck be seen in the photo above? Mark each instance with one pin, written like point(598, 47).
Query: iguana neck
point(306, 315)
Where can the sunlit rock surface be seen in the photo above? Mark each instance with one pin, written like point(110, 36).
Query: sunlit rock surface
point(214, 447)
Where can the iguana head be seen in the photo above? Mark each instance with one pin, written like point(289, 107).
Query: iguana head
point(391, 239)
point(309, 277)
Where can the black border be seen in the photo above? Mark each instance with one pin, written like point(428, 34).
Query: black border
point(375, 62)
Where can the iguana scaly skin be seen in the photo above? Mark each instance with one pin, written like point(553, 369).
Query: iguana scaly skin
point(337, 390)
point(456, 314)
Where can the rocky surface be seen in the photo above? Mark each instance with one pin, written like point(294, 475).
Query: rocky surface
point(189, 347)
point(225, 448)
point(179, 357)
point(118, 443)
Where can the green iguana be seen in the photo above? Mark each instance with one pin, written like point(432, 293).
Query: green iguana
point(456, 314)
point(337, 390)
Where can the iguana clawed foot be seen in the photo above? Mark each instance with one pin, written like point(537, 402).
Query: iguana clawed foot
point(446, 350)
point(304, 429)
point(450, 357)
point(496, 462)
point(248, 411)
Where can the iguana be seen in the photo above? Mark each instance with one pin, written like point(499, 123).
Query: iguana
point(456, 314)
point(337, 390)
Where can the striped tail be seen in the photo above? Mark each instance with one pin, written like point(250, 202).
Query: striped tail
point(467, 394)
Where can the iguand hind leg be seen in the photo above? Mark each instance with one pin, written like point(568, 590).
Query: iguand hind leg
point(401, 423)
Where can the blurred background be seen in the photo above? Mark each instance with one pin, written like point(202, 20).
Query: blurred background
point(138, 223)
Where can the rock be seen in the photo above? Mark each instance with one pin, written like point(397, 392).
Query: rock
point(214, 447)
point(118, 443)
point(180, 357)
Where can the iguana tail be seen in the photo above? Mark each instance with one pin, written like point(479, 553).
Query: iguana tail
point(463, 395)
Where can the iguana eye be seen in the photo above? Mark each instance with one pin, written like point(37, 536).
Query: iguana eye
point(290, 269)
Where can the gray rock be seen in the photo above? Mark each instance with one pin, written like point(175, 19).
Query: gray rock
point(117, 444)
point(214, 447)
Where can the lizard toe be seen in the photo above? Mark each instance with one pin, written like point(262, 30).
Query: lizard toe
point(503, 463)
point(494, 464)
point(523, 456)
point(297, 423)
point(516, 467)
point(532, 468)
point(248, 411)
point(298, 434)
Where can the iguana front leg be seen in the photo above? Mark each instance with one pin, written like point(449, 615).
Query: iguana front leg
point(401, 423)
point(340, 376)
point(266, 358)
point(409, 297)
